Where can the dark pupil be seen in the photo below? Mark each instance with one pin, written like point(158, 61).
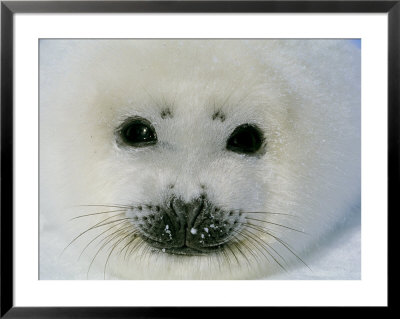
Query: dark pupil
point(138, 133)
point(245, 138)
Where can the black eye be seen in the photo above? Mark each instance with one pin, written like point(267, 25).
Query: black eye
point(138, 132)
point(246, 139)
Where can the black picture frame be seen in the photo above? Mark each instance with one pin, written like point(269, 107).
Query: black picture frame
point(9, 8)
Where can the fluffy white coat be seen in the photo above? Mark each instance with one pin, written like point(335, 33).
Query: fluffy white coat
point(303, 94)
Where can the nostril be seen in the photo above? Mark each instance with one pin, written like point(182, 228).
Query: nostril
point(177, 205)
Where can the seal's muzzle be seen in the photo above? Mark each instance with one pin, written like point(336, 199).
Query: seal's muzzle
point(189, 228)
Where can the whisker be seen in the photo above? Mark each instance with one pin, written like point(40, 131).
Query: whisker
point(262, 243)
point(112, 206)
point(248, 248)
point(134, 237)
point(147, 250)
point(286, 245)
point(217, 255)
point(99, 224)
point(242, 253)
point(258, 228)
point(269, 213)
point(109, 255)
point(103, 232)
point(233, 253)
point(254, 241)
point(227, 259)
point(137, 246)
point(291, 250)
point(106, 212)
point(117, 233)
point(268, 222)
point(251, 241)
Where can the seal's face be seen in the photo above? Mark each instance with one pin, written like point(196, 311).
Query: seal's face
point(184, 150)
point(191, 174)
point(195, 159)
point(188, 221)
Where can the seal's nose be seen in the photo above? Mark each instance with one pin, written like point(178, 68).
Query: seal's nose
point(188, 227)
point(170, 227)
point(186, 212)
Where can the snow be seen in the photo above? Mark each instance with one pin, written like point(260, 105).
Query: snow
point(339, 258)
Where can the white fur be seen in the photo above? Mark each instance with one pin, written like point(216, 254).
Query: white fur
point(304, 95)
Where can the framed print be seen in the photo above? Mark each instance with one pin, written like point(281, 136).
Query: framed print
point(164, 155)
